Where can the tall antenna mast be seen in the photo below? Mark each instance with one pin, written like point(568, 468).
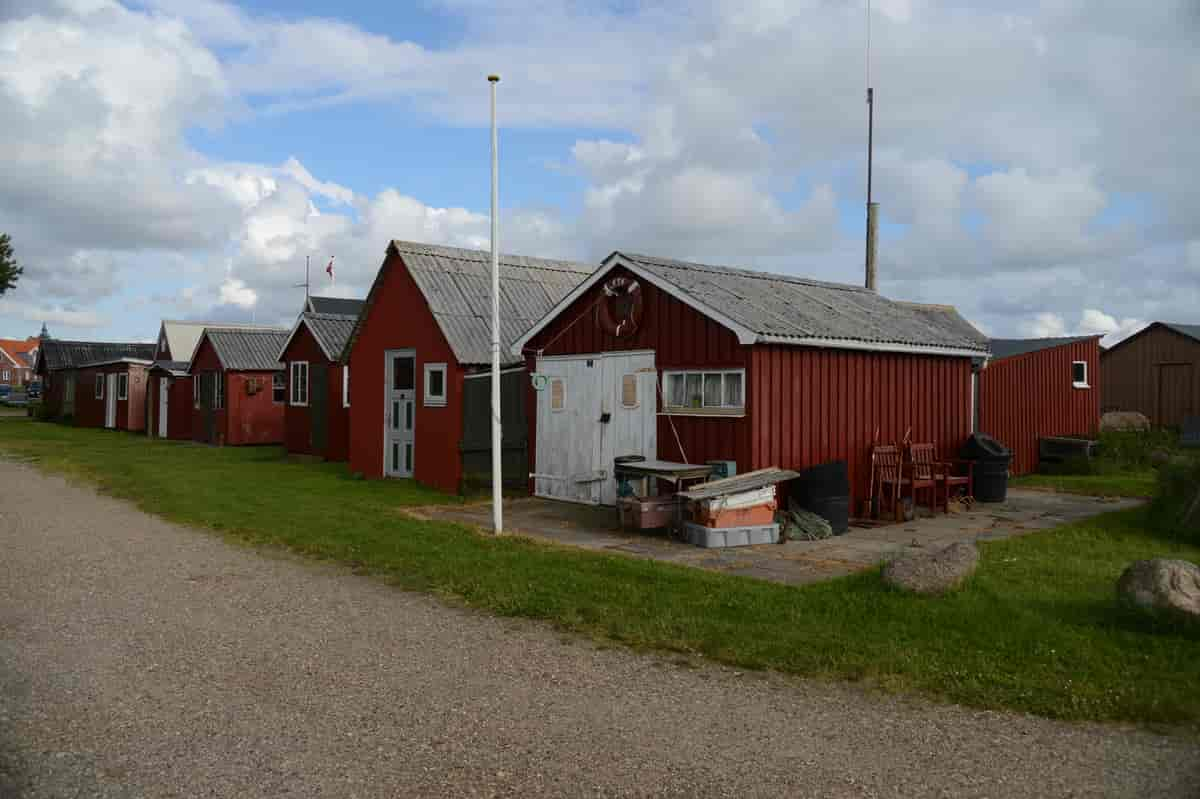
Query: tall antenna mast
point(497, 434)
point(872, 207)
point(304, 285)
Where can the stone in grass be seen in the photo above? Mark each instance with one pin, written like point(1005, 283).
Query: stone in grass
point(1162, 584)
point(932, 572)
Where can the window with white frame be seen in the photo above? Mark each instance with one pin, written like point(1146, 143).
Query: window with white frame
point(279, 387)
point(706, 391)
point(435, 384)
point(1079, 376)
point(298, 379)
point(123, 386)
point(6, 376)
point(218, 390)
point(99, 385)
point(345, 386)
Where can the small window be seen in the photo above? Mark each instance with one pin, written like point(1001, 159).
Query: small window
point(345, 386)
point(1079, 374)
point(558, 398)
point(99, 386)
point(122, 386)
point(299, 382)
point(6, 376)
point(278, 387)
point(402, 373)
point(435, 384)
point(629, 397)
point(715, 391)
point(218, 390)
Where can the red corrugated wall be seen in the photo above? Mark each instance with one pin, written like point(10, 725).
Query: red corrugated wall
point(812, 406)
point(1027, 397)
point(298, 419)
point(252, 417)
point(399, 319)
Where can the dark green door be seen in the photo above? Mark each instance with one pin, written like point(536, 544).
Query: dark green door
point(317, 400)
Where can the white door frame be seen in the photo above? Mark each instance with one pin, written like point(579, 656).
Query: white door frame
point(110, 400)
point(399, 419)
point(164, 393)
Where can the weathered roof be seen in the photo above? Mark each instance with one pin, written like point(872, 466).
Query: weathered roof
point(331, 331)
point(111, 361)
point(182, 335)
point(769, 308)
point(1008, 347)
point(341, 306)
point(456, 284)
point(242, 350)
point(1191, 331)
point(57, 354)
point(173, 368)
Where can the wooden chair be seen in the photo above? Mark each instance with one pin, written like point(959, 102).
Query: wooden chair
point(887, 475)
point(945, 474)
point(923, 473)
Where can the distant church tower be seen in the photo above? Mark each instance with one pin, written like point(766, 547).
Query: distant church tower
point(45, 334)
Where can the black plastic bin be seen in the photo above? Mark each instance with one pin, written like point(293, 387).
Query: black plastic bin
point(991, 466)
point(825, 491)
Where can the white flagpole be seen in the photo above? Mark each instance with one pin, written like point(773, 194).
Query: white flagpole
point(497, 437)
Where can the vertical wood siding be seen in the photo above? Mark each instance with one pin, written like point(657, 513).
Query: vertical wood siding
point(1133, 377)
point(131, 412)
point(812, 406)
point(1026, 397)
point(179, 407)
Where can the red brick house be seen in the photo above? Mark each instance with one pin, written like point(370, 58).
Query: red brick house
point(238, 389)
point(317, 416)
point(691, 362)
point(17, 360)
point(1033, 388)
point(112, 394)
point(419, 355)
point(59, 362)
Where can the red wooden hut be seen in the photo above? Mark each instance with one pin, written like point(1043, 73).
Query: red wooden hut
point(238, 386)
point(112, 394)
point(1034, 388)
point(688, 362)
point(58, 363)
point(419, 355)
point(317, 417)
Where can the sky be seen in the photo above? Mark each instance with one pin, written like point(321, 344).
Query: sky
point(1035, 162)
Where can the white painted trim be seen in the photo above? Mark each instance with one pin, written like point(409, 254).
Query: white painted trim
point(296, 329)
point(426, 399)
point(123, 396)
point(292, 384)
point(1079, 383)
point(704, 410)
point(346, 386)
point(595, 356)
point(283, 401)
point(99, 389)
point(880, 346)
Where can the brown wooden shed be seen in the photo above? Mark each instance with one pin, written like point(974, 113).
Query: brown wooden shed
point(1156, 371)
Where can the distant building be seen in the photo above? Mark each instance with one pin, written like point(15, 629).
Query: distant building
point(1156, 371)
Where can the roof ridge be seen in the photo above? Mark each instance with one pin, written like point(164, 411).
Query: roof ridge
point(484, 256)
point(754, 274)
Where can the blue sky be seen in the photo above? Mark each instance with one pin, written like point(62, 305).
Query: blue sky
point(1026, 157)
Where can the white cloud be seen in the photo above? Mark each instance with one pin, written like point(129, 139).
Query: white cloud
point(236, 292)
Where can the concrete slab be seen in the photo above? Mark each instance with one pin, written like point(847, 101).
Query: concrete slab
point(792, 562)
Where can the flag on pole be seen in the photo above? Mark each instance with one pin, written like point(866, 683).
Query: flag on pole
point(329, 270)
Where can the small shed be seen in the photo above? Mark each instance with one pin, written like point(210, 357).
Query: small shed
point(419, 356)
point(1156, 371)
point(112, 394)
point(317, 417)
point(1036, 388)
point(238, 389)
point(691, 362)
point(169, 401)
point(59, 361)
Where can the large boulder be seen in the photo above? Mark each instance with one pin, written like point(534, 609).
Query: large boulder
point(932, 571)
point(1162, 584)
point(1124, 420)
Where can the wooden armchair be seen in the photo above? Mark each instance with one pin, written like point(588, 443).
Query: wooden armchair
point(887, 476)
point(949, 474)
point(924, 473)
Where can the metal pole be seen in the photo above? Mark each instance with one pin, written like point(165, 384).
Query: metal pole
point(497, 433)
point(306, 279)
point(872, 208)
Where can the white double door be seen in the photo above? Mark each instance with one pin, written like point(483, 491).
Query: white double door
point(110, 400)
point(590, 410)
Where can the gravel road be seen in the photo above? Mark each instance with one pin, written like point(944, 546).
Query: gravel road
point(140, 658)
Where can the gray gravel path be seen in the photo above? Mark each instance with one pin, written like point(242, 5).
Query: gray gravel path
point(140, 658)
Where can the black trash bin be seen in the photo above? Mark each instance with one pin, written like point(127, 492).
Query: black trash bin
point(825, 490)
point(991, 466)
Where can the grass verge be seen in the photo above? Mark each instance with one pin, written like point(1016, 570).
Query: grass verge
point(1036, 629)
point(1132, 483)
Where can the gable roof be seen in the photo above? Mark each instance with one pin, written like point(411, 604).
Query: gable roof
point(1191, 331)
point(331, 331)
point(57, 354)
point(18, 351)
point(172, 368)
point(1008, 347)
point(182, 335)
point(340, 306)
point(242, 350)
point(456, 284)
point(781, 309)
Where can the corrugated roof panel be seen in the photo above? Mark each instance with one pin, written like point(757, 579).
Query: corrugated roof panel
point(248, 350)
point(59, 354)
point(331, 331)
point(340, 306)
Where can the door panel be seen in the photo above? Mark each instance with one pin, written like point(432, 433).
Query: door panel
point(317, 400)
point(110, 400)
point(399, 449)
point(164, 393)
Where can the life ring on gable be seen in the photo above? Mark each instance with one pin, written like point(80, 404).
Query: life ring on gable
point(620, 310)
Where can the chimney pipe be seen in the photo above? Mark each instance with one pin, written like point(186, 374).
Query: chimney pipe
point(872, 228)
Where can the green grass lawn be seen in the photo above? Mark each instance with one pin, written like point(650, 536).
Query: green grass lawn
point(1128, 483)
point(1036, 629)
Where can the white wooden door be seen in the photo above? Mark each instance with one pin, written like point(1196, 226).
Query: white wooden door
point(591, 409)
point(164, 393)
point(110, 400)
point(400, 398)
